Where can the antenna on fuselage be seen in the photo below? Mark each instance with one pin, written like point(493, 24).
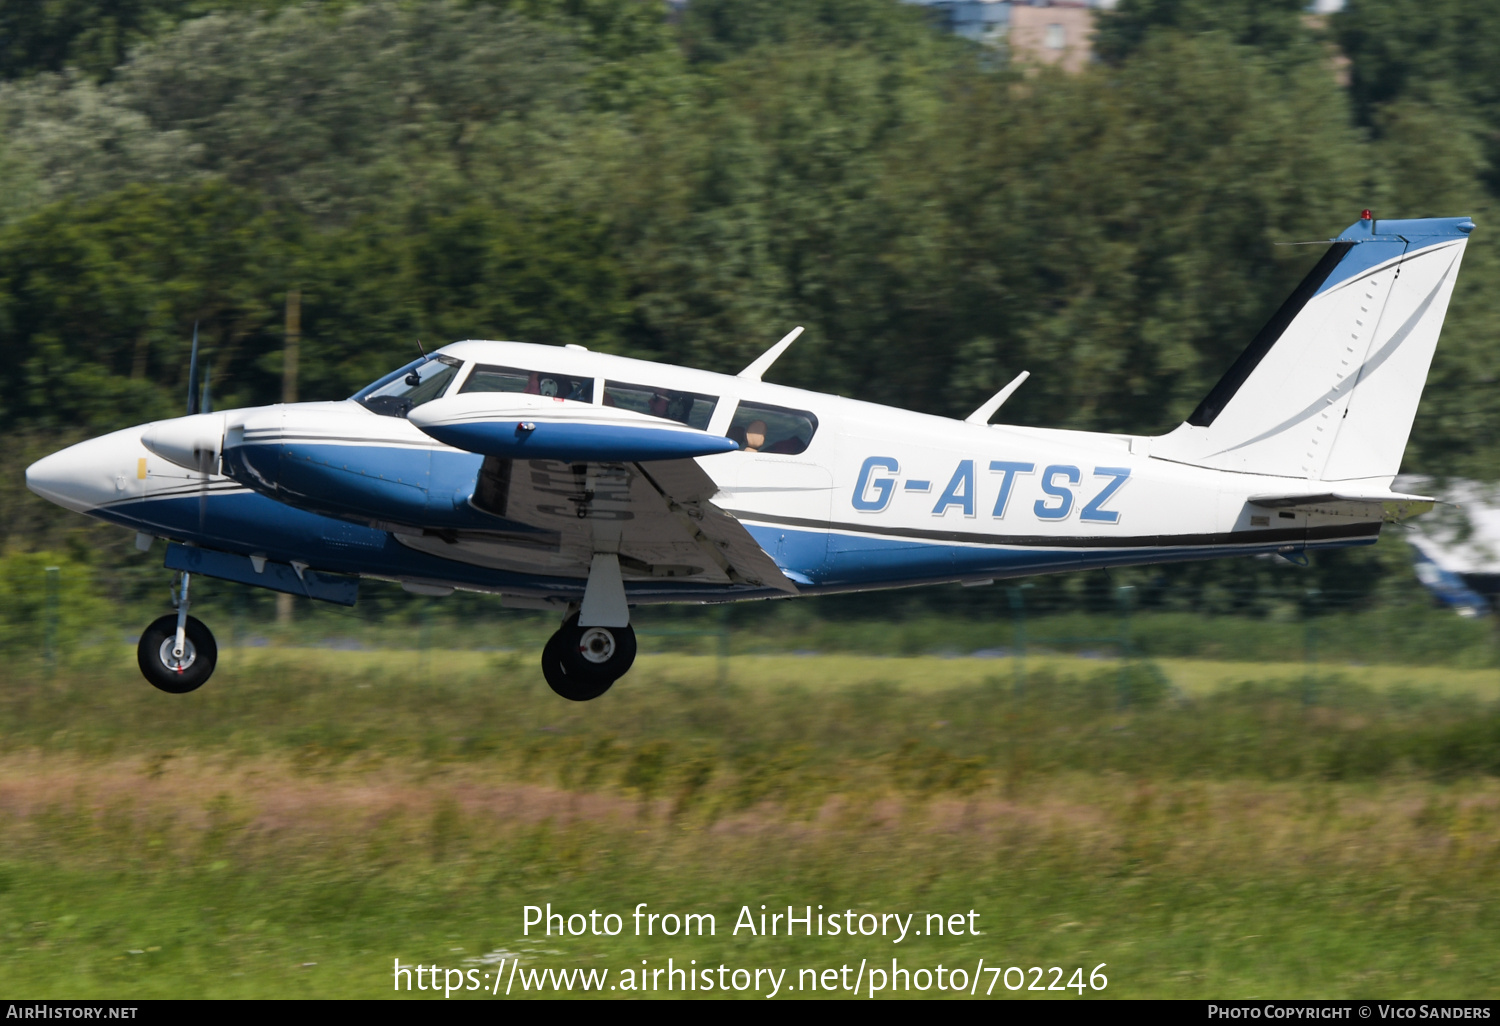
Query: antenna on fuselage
point(764, 360)
point(985, 412)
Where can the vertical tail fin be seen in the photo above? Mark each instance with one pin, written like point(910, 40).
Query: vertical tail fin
point(1329, 388)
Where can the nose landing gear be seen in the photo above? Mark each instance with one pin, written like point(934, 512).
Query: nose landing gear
point(177, 653)
point(580, 663)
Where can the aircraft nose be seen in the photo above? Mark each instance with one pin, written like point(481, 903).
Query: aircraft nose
point(50, 477)
point(85, 476)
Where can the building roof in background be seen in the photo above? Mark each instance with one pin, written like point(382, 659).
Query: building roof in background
point(1041, 31)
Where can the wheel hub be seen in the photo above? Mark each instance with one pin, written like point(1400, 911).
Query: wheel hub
point(170, 661)
point(596, 645)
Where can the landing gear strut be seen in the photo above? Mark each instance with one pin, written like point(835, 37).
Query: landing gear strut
point(177, 653)
point(581, 663)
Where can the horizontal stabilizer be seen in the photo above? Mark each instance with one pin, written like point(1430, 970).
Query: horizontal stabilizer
point(1391, 507)
point(527, 427)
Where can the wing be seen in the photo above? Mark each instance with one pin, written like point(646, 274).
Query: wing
point(656, 515)
point(589, 479)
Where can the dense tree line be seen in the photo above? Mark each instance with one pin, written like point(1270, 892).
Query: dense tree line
point(688, 187)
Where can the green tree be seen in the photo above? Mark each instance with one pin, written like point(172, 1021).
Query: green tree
point(611, 30)
point(330, 111)
point(63, 136)
point(1177, 175)
point(97, 302)
point(69, 607)
point(1275, 27)
point(1112, 232)
point(91, 35)
point(372, 291)
point(94, 37)
point(721, 29)
point(1440, 53)
point(1399, 48)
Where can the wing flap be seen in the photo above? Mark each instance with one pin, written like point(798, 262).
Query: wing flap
point(686, 489)
point(657, 516)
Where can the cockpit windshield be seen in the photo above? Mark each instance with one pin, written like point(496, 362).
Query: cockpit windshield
point(418, 383)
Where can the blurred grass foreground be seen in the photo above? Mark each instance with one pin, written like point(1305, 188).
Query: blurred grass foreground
point(312, 814)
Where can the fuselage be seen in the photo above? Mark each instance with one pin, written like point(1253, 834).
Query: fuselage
point(851, 496)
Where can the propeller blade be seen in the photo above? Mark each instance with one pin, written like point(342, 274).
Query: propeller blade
point(207, 406)
point(192, 405)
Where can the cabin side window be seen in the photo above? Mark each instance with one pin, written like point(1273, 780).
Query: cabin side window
point(486, 378)
point(688, 408)
point(776, 429)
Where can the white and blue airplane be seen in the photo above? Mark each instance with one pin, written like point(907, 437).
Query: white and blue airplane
point(589, 484)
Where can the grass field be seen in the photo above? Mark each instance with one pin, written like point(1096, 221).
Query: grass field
point(1202, 828)
point(758, 670)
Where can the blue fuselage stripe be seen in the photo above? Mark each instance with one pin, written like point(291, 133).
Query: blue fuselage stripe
point(821, 560)
point(838, 561)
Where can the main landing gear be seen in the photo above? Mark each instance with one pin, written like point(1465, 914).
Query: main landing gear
point(581, 663)
point(595, 646)
point(177, 653)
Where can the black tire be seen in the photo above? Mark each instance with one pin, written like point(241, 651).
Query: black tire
point(596, 653)
point(573, 688)
point(155, 650)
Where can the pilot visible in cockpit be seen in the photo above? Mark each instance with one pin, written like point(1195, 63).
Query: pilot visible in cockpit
point(755, 436)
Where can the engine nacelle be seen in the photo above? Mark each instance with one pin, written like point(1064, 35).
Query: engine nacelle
point(341, 460)
point(193, 442)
